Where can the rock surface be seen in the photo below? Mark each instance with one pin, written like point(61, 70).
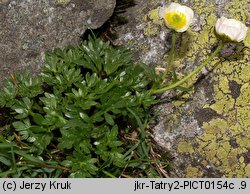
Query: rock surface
point(206, 130)
point(28, 28)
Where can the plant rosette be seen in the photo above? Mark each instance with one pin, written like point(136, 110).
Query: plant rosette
point(177, 17)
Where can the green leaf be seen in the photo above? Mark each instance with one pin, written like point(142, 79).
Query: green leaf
point(67, 140)
point(29, 157)
point(6, 161)
point(114, 132)
point(109, 119)
point(91, 80)
point(66, 163)
point(38, 118)
point(74, 123)
point(6, 145)
point(139, 122)
point(85, 117)
point(19, 110)
point(66, 144)
point(2, 139)
point(20, 126)
point(37, 129)
point(42, 141)
point(86, 105)
point(27, 102)
point(13, 171)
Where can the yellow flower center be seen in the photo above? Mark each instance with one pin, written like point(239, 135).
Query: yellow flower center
point(176, 19)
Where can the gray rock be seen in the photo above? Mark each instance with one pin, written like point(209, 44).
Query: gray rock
point(28, 28)
point(207, 131)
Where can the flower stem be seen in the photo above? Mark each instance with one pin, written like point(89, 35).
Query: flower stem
point(169, 68)
point(217, 50)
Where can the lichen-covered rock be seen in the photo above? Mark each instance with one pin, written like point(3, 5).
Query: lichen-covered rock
point(207, 130)
point(28, 28)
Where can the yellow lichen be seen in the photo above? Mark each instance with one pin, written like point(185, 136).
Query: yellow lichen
point(193, 172)
point(225, 138)
point(247, 171)
point(238, 10)
point(247, 39)
point(224, 101)
point(241, 160)
point(235, 129)
point(244, 98)
point(63, 2)
point(243, 141)
point(185, 147)
point(152, 22)
point(151, 29)
point(154, 16)
point(243, 117)
point(234, 124)
point(216, 127)
point(244, 73)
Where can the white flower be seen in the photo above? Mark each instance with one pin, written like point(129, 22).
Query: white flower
point(231, 29)
point(177, 17)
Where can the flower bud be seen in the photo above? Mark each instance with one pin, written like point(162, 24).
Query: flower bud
point(177, 17)
point(230, 29)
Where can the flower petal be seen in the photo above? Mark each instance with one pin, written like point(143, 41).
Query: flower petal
point(231, 28)
point(177, 17)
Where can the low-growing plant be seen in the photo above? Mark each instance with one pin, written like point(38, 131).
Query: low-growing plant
point(84, 115)
point(87, 113)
